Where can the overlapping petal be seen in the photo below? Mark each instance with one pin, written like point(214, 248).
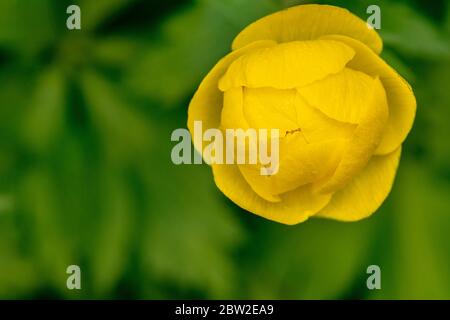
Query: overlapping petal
point(363, 143)
point(271, 108)
point(308, 22)
point(295, 206)
point(300, 163)
point(366, 192)
point(401, 100)
point(342, 96)
point(232, 116)
point(207, 103)
point(317, 127)
point(287, 65)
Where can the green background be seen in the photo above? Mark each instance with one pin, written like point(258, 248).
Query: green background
point(86, 176)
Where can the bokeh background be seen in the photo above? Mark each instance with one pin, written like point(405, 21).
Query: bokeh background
point(86, 176)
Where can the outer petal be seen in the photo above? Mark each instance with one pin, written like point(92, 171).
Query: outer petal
point(363, 143)
point(287, 65)
point(206, 105)
point(401, 100)
point(308, 22)
point(300, 163)
point(345, 97)
point(295, 207)
point(366, 192)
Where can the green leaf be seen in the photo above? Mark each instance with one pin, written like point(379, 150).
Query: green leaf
point(192, 41)
point(14, 86)
point(447, 20)
point(44, 118)
point(417, 255)
point(319, 259)
point(432, 117)
point(18, 276)
point(397, 63)
point(110, 248)
point(125, 133)
point(27, 26)
point(52, 243)
point(116, 51)
point(189, 232)
point(411, 33)
point(95, 12)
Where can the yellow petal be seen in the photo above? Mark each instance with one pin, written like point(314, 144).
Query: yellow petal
point(367, 191)
point(401, 100)
point(233, 112)
point(206, 105)
point(268, 108)
point(308, 22)
point(286, 110)
point(296, 206)
point(363, 143)
point(342, 96)
point(317, 127)
point(311, 143)
point(287, 65)
point(258, 183)
point(300, 163)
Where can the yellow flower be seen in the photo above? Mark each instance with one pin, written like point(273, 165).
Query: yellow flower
point(314, 73)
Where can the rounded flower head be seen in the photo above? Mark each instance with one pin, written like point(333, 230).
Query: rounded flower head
point(314, 73)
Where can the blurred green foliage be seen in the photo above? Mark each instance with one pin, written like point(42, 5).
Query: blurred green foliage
point(86, 176)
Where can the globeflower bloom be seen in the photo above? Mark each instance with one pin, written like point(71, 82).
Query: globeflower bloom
point(314, 73)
